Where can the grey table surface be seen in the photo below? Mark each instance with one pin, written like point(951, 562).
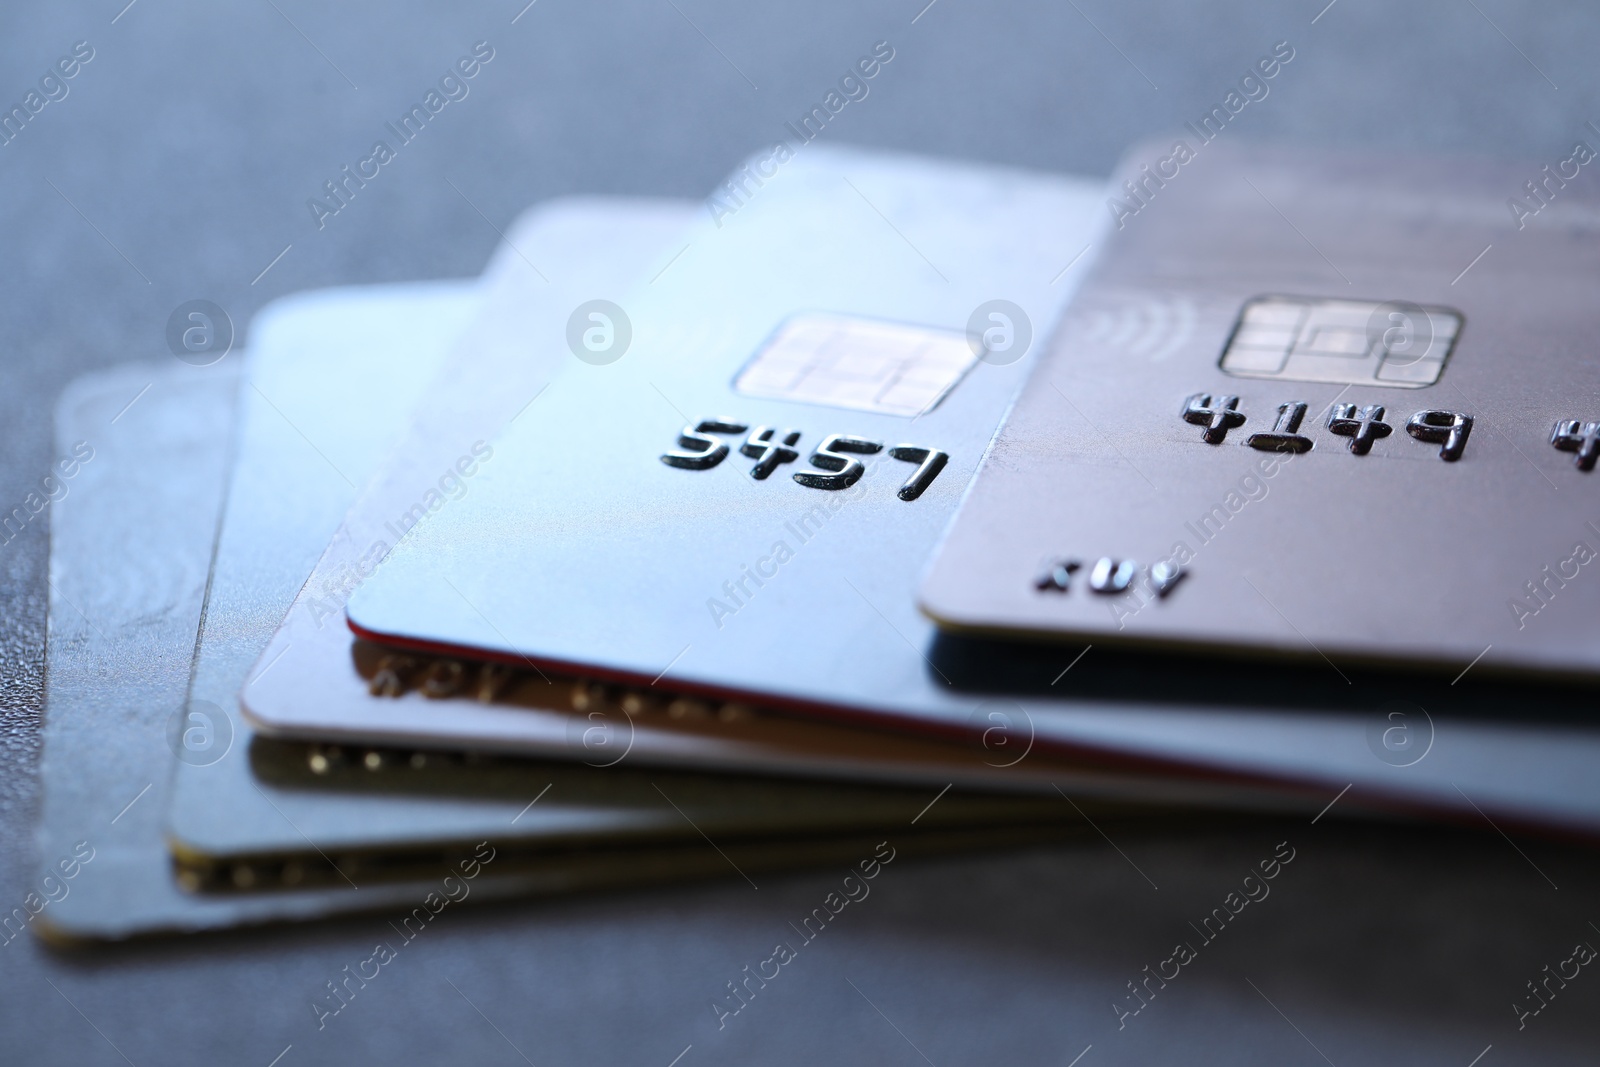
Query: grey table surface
point(178, 167)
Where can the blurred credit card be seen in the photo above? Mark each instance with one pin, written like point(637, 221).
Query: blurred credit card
point(670, 610)
point(145, 451)
point(1309, 405)
point(130, 545)
point(252, 816)
point(144, 464)
point(743, 516)
point(747, 511)
point(316, 680)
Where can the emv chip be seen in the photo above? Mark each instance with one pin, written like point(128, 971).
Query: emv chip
point(1349, 342)
point(883, 367)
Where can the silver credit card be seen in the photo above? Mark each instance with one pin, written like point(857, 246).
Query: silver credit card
point(1314, 406)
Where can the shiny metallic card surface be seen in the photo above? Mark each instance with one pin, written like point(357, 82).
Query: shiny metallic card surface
point(130, 547)
point(133, 521)
point(1366, 433)
point(646, 520)
point(334, 378)
point(316, 681)
point(256, 816)
point(140, 481)
point(1107, 727)
point(330, 377)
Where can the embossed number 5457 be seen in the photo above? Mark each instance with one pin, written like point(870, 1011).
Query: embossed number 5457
point(833, 466)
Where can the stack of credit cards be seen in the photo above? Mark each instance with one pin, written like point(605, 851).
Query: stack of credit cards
point(911, 496)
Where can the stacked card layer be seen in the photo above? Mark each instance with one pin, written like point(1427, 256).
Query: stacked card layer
point(696, 531)
point(1354, 452)
point(655, 497)
point(256, 830)
point(1345, 452)
point(582, 457)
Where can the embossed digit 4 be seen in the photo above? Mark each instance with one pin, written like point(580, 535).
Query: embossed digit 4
point(1362, 425)
point(1570, 435)
point(1217, 418)
point(769, 450)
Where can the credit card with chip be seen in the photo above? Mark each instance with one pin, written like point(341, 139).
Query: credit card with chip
point(1312, 406)
point(143, 455)
point(743, 517)
point(845, 642)
point(249, 816)
point(744, 513)
point(316, 680)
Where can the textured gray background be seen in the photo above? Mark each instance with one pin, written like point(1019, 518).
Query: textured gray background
point(191, 143)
